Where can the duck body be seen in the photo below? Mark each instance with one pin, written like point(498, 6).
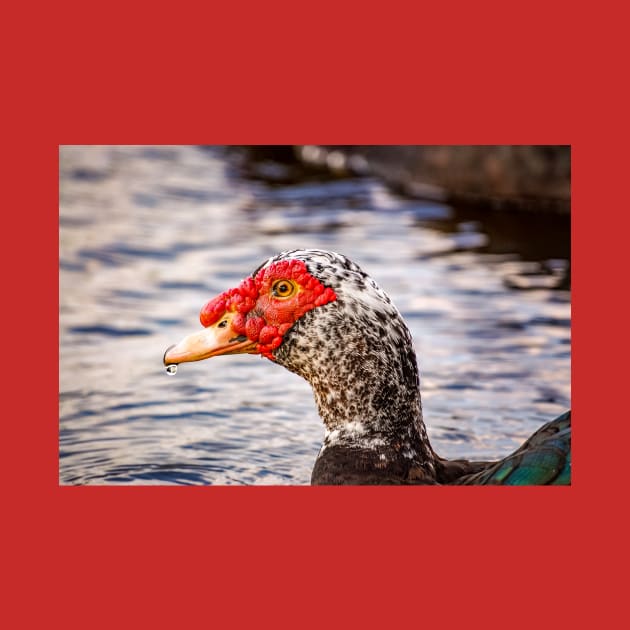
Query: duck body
point(321, 316)
point(544, 459)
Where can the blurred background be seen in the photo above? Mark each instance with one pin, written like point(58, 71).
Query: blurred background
point(471, 243)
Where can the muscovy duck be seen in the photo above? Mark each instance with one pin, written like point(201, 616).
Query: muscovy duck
point(319, 315)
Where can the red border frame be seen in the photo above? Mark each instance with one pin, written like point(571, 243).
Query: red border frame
point(287, 557)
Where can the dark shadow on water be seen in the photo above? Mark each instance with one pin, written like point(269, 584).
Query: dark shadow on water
point(534, 236)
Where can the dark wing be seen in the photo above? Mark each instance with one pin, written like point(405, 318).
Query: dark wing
point(545, 459)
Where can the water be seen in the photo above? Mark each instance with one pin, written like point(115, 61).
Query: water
point(149, 234)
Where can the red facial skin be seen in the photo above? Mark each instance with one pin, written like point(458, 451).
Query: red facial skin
point(260, 314)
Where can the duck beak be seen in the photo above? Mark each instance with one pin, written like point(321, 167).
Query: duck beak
point(212, 341)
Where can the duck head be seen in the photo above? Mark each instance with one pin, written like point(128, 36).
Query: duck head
point(255, 316)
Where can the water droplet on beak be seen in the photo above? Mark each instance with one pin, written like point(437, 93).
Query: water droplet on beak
point(171, 369)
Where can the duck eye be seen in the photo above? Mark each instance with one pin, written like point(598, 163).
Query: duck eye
point(283, 288)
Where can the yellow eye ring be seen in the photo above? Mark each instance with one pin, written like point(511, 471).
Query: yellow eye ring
point(283, 288)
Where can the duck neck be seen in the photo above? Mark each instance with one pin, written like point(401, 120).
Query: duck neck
point(375, 406)
point(367, 390)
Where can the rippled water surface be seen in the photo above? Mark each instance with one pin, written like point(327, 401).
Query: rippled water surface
point(149, 234)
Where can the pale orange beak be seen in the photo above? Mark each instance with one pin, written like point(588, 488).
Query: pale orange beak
point(212, 341)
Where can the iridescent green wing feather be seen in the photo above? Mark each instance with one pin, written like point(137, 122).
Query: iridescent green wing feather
point(545, 459)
